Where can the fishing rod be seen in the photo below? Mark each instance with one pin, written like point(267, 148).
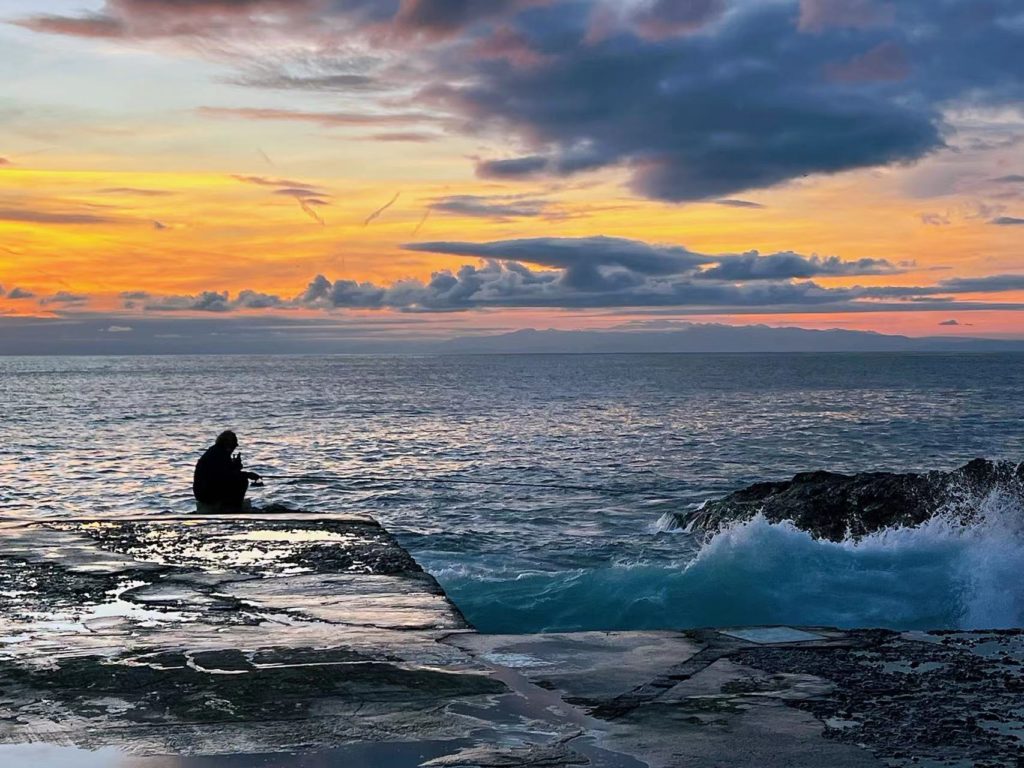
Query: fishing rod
point(390, 479)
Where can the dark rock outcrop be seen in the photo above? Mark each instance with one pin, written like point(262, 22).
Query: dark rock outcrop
point(835, 506)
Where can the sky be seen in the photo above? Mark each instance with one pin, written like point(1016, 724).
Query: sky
point(420, 169)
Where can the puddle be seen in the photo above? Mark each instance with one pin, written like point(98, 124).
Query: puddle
point(772, 635)
point(394, 755)
point(293, 537)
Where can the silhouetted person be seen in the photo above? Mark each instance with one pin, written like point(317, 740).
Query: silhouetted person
point(220, 481)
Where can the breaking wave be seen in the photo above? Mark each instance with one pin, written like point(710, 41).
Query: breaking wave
point(941, 574)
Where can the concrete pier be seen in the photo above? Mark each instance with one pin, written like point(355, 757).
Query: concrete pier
point(294, 640)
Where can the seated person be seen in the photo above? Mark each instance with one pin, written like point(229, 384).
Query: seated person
point(220, 483)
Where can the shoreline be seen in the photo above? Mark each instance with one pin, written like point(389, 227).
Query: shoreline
point(313, 637)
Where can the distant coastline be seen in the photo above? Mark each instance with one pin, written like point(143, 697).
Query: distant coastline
point(38, 337)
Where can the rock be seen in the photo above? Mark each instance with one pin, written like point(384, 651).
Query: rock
point(835, 506)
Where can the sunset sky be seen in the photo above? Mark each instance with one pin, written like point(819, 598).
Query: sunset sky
point(425, 168)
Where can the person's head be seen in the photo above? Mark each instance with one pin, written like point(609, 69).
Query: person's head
point(227, 440)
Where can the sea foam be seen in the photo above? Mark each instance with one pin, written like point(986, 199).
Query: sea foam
point(941, 574)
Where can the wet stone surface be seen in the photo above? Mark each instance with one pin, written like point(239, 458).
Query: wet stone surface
point(295, 641)
point(940, 697)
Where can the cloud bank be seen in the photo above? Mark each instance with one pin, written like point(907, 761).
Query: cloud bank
point(691, 100)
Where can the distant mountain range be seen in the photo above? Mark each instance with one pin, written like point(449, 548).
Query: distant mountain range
point(709, 338)
point(250, 335)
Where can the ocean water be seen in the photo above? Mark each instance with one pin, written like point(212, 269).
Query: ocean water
point(616, 441)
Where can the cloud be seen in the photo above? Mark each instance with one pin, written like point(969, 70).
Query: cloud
point(586, 258)
point(49, 217)
point(697, 117)
point(4, 161)
point(337, 82)
point(412, 137)
point(885, 62)
point(820, 15)
point(64, 297)
point(446, 17)
point(149, 19)
point(658, 19)
point(695, 100)
point(788, 265)
point(935, 219)
point(91, 25)
point(1013, 178)
point(1008, 221)
point(377, 213)
point(134, 192)
point(734, 203)
point(582, 255)
point(988, 284)
point(491, 206)
point(950, 322)
point(324, 119)
point(118, 329)
point(306, 195)
point(205, 301)
point(18, 294)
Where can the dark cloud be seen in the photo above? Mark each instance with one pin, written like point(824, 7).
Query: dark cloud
point(1008, 221)
point(664, 18)
point(886, 61)
point(65, 297)
point(988, 284)
point(207, 301)
point(788, 265)
point(1013, 178)
point(820, 15)
point(694, 100)
point(950, 322)
point(491, 206)
point(445, 17)
point(16, 294)
point(696, 117)
point(583, 254)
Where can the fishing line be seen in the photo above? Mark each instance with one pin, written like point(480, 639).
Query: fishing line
point(386, 479)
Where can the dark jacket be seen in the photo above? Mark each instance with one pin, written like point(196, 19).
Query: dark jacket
point(218, 476)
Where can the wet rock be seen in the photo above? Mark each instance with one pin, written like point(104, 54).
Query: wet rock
point(836, 506)
point(532, 756)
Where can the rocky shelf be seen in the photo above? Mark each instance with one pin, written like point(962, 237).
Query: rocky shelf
point(302, 640)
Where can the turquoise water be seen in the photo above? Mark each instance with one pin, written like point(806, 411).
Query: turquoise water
point(649, 434)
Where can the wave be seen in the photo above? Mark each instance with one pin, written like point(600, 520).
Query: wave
point(941, 574)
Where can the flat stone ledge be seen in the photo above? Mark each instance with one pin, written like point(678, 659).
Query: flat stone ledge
point(299, 640)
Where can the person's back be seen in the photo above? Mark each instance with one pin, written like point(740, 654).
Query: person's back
point(219, 482)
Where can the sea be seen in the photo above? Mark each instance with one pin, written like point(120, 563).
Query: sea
point(539, 489)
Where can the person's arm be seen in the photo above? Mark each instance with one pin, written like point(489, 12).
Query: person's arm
point(236, 462)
